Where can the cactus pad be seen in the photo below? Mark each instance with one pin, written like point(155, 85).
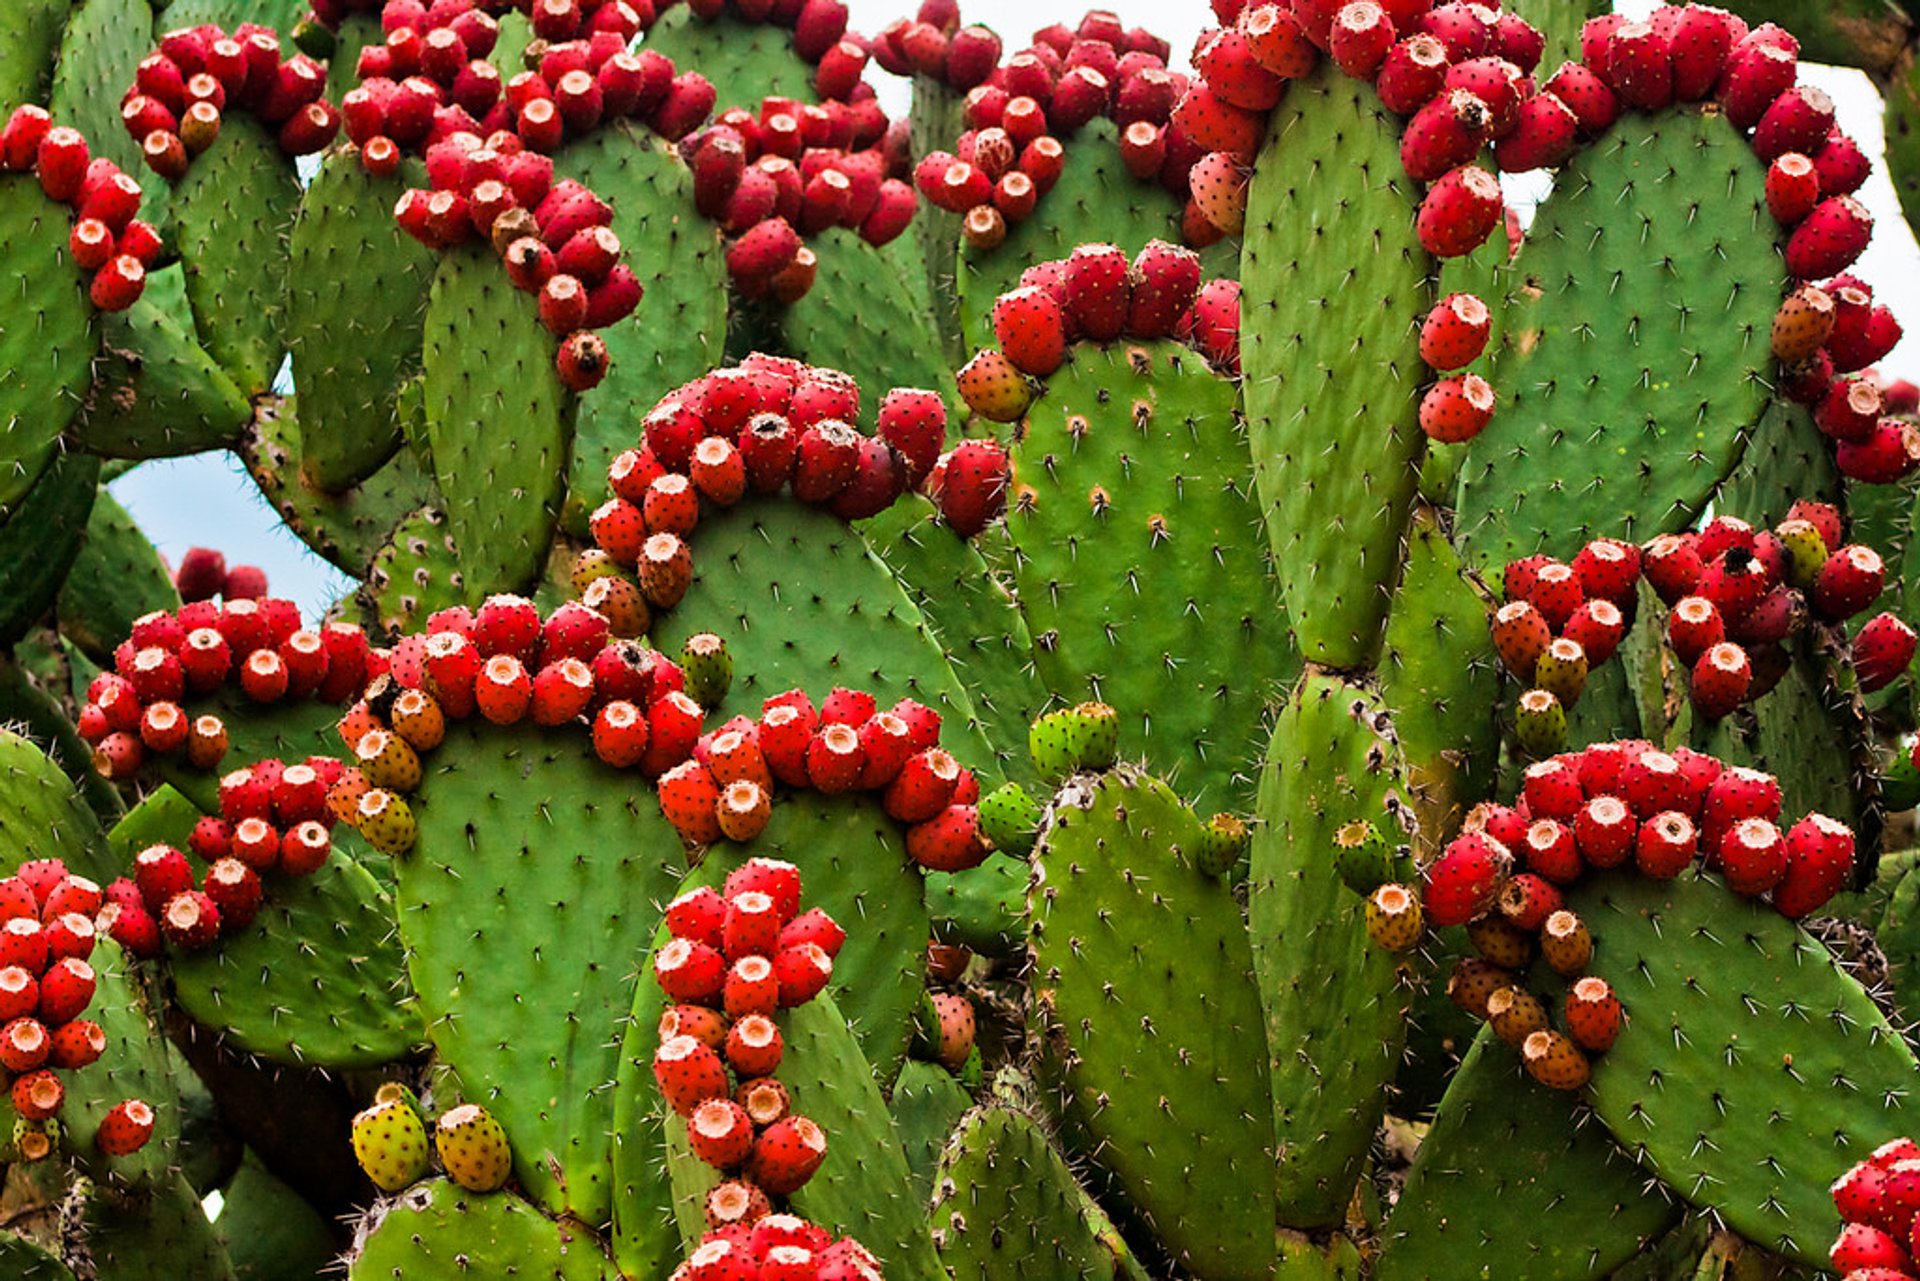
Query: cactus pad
point(746, 61)
point(49, 341)
point(116, 577)
point(436, 1231)
point(41, 539)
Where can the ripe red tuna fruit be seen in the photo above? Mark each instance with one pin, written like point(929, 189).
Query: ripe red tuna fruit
point(1030, 327)
point(1460, 211)
point(1465, 880)
point(1097, 289)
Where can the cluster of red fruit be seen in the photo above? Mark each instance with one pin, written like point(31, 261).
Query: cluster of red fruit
point(1096, 294)
point(47, 932)
point(107, 239)
point(1613, 805)
point(767, 424)
point(204, 574)
point(846, 744)
point(1822, 334)
point(257, 644)
point(1454, 334)
point(737, 956)
point(552, 236)
point(1736, 594)
point(274, 817)
point(1878, 1200)
point(1018, 112)
point(1560, 622)
point(174, 105)
point(932, 43)
point(790, 171)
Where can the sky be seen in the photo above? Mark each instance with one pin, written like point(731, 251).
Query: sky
point(209, 501)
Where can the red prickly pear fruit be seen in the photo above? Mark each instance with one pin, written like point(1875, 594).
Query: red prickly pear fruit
point(1278, 41)
point(1882, 651)
point(582, 360)
point(1608, 569)
point(950, 841)
point(1861, 335)
point(1552, 789)
point(1213, 124)
point(1030, 327)
point(688, 1074)
point(1497, 83)
point(1457, 409)
point(1793, 188)
point(1544, 136)
point(1597, 627)
point(1851, 409)
point(1722, 679)
point(1166, 278)
point(1758, 71)
point(763, 251)
point(125, 1129)
point(1672, 566)
point(1097, 290)
point(825, 461)
point(119, 284)
point(1412, 73)
point(688, 797)
point(190, 921)
point(992, 387)
point(914, 422)
point(1752, 856)
point(1829, 238)
point(786, 1154)
point(1520, 637)
point(1798, 120)
point(1865, 1253)
point(972, 487)
point(1849, 582)
point(720, 1133)
point(1584, 93)
point(1819, 864)
point(1360, 38)
point(1212, 327)
point(1666, 845)
point(1459, 212)
point(1841, 165)
point(20, 141)
point(61, 163)
point(1232, 70)
point(1639, 65)
point(803, 971)
point(1454, 333)
point(1447, 132)
point(1890, 453)
point(1218, 183)
point(1592, 1015)
point(1466, 30)
point(1465, 880)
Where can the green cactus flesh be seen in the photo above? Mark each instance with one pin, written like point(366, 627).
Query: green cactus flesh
point(1752, 1073)
point(935, 119)
point(158, 393)
point(100, 50)
point(20, 1258)
point(746, 61)
point(358, 30)
point(41, 539)
point(863, 316)
point(45, 363)
point(1787, 459)
point(1095, 199)
point(346, 529)
point(1329, 346)
point(927, 1103)
point(1439, 676)
point(680, 329)
point(525, 908)
point(978, 623)
point(32, 46)
point(1509, 1183)
point(230, 218)
point(1628, 387)
point(803, 603)
point(1336, 1005)
point(42, 815)
point(499, 419)
point(1006, 1205)
point(863, 1188)
point(356, 303)
point(116, 577)
point(1152, 1030)
point(281, 15)
point(437, 1231)
point(417, 573)
point(1133, 519)
point(653, 1219)
point(31, 707)
point(156, 1234)
point(269, 1231)
point(1902, 131)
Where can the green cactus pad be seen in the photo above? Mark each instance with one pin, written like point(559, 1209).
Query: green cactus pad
point(1439, 676)
point(1607, 708)
point(287, 731)
point(1152, 1033)
point(30, 707)
point(935, 119)
point(1336, 282)
point(418, 572)
point(33, 43)
point(1142, 582)
point(979, 625)
point(157, 1234)
point(278, 14)
point(116, 577)
point(746, 61)
point(679, 330)
point(1559, 21)
point(48, 345)
point(41, 539)
point(319, 978)
point(863, 1188)
point(1751, 1073)
point(1511, 1183)
point(927, 1104)
point(499, 419)
point(356, 302)
point(1787, 459)
point(690, 1180)
point(802, 602)
point(1336, 1005)
point(863, 316)
point(1094, 199)
point(437, 1231)
point(100, 51)
point(358, 30)
point(493, 910)
point(42, 815)
point(268, 1229)
point(135, 1066)
point(22, 1260)
point(1006, 1205)
point(158, 393)
point(1628, 386)
point(347, 529)
point(230, 216)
